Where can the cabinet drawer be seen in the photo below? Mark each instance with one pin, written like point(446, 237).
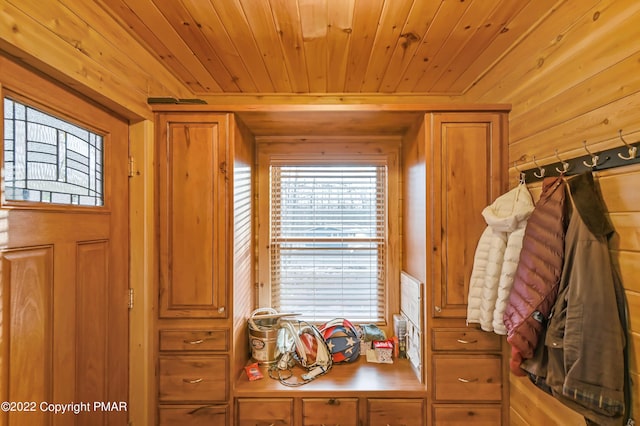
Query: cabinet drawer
point(193, 340)
point(465, 340)
point(464, 415)
point(193, 378)
point(330, 411)
point(265, 412)
point(203, 415)
point(395, 412)
point(468, 378)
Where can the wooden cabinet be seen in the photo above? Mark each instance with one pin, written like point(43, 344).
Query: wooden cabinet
point(395, 412)
point(193, 415)
point(330, 411)
point(467, 163)
point(264, 411)
point(194, 351)
point(455, 164)
point(193, 204)
point(316, 411)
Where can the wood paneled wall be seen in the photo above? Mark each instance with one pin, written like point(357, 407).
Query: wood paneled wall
point(77, 43)
point(577, 78)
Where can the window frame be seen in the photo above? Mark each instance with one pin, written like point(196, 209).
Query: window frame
point(78, 120)
point(374, 150)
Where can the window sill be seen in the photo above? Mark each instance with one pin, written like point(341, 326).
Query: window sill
point(353, 379)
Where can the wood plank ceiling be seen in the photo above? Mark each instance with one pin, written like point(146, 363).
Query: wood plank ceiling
point(435, 47)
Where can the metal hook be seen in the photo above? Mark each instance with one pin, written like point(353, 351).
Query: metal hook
point(565, 165)
point(632, 149)
point(594, 158)
point(541, 175)
point(523, 176)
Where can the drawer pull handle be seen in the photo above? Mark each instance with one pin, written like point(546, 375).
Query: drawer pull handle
point(460, 379)
point(193, 381)
point(194, 342)
point(333, 401)
point(467, 342)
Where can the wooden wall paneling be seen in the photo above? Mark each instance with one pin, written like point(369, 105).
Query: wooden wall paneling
point(142, 273)
point(535, 407)
point(612, 82)
point(439, 28)
point(495, 24)
point(414, 195)
point(92, 66)
point(228, 13)
point(510, 75)
point(314, 28)
point(585, 49)
point(289, 24)
point(188, 28)
point(418, 22)
point(129, 15)
point(242, 154)
point(221, 44)
point(366, 15)
point(260, 21)
point(511, 31)
point(461, 34)
point(392, 19)
point(340, 17)
point(598, 125)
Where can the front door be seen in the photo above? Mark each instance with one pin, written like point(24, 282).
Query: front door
point(63, 257)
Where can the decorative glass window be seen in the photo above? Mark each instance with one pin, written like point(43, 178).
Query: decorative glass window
point(49, 160)
point(328, 241)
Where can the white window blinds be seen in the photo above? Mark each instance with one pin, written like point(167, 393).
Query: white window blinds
point(328, 240)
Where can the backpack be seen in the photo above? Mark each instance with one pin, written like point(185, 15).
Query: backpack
point(342, 339)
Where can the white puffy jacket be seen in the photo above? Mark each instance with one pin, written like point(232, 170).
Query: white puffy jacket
point(496, 258)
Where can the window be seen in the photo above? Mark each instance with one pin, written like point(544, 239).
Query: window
point(49, 160)
point(328, 241)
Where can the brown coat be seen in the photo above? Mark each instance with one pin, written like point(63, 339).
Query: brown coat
point(535, 284)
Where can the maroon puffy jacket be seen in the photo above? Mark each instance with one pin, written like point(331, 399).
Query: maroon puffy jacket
point(535, 285)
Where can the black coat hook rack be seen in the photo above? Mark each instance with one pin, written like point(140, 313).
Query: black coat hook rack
point(628, 153)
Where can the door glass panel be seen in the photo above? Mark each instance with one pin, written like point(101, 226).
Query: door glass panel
point(49, 160)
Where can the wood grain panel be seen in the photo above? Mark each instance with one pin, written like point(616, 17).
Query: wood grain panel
point(27, 331)
point(339, 22)
point(189, 29)
point(258, 16)
point(193, 378)
point(244, 294)
point(535, 407)
point(366, 16)
point(314, 24)
point(411, 38)
point(497, 22)
point(530, 54)
point(92, 283)
point(392, 20)
point(575, 79)
point(292, 41)
point(193, 415)
point(194, 243)
point(88, 66)
point(458, 41)
point(191, 162)
point(237, 27)
point(448, 14)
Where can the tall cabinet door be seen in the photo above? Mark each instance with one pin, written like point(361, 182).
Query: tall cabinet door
point(193, 206)
point(468, 162)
